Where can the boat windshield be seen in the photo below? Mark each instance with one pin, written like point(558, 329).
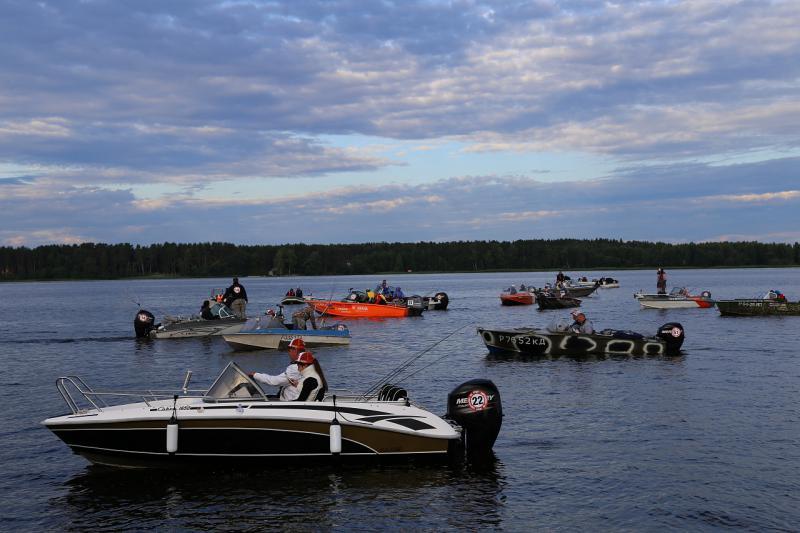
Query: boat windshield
point(263, 322)
point(234, 384)
point(221, 310)
point(679, 291)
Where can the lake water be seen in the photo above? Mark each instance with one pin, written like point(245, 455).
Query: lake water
point(706, 440)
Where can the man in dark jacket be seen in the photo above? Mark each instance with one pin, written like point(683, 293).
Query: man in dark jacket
point(236, 298)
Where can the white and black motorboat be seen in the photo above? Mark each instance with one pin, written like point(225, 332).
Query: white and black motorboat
point(559, 340)
point(678, 298)
point(607, 283)
point(234, 420)
point(180, 327)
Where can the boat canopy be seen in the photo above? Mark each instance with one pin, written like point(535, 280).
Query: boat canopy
point(233, 384)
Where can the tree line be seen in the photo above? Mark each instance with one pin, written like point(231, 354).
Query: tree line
point(213, 259)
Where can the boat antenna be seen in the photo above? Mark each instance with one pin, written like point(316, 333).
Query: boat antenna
point(408, 362)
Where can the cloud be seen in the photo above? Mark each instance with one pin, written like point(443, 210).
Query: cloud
point(667, 203)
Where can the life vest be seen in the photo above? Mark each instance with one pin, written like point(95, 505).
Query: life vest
point(310, 372)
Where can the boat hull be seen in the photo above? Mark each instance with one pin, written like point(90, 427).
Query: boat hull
point(521, 298)
point(276, 339)
point(540, 343)
point(578, 292)
point(292, 300)
point(364, 310)
point(198, 328)
point(669, 302)
point(755, 307)
point(271, 430)
point(552, 302)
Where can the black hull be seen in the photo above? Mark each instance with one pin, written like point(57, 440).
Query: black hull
point(292, 300)
point(758, 308)
point(144, 444)
point(539, 343)
point(551, 302)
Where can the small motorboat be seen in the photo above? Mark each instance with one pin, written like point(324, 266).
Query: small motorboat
point(179, 327)
point(774, 302)
point(437, 302)
point(558, 340)
point(235, 421)
point(553, 301)
point(572, 290)
point(293, 300)
point(582, 282)
point(272, 333)
point(521, 295)
point(351, 307)
point(678, 298)
point(607, 283)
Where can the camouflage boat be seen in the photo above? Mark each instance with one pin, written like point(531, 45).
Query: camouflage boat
point(758, 307)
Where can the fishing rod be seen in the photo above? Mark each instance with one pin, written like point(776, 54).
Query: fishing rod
point(408, 363)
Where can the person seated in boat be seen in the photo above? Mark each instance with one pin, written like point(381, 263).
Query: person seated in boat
point(580, 324)
point(303, 380)
point(522, 287)
point(296, 347)
point(398, 294)
point(302, 316)
point(290, 292)
point(511, 290)
point(298, 292)
point(380, 299)
point(205, 311)
point(370, 296)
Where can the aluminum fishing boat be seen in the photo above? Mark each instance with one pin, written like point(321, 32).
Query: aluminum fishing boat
point(265, 333)
point(180, 327)
point(234, 420)
point(774, 302)
point(558, 340)
point(678, 298)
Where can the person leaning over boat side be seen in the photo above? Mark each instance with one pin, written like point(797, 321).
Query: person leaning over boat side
point(661, 281)
point(581, 325)
point(236, 298)
point(302, 380)
point(205, 311)
point(300, 317)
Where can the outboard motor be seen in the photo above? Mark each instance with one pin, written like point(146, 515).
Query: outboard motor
point(415, 305)
point(144, 323)
point(475, 406)
point(439, 301)
point(672, 333)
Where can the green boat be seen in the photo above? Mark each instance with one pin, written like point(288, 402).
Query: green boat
point(758, 307)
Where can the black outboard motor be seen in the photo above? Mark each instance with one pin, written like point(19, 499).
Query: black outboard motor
point(144, 323)
point(672, 333)
point(475, 406)
point(415, 305)
point(438, 301)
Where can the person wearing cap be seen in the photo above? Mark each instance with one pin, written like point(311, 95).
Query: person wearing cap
point(302, 380)
point(661, 281)
point(581, 325)
point(236, 298)
point(296, 347)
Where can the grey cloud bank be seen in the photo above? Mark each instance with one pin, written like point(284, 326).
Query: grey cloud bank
point(98, 98)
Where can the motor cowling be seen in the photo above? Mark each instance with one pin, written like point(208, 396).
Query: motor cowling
point(475, 406)
point(415, 305)
point(144, 323)
point(673, 334)
point(440, 300)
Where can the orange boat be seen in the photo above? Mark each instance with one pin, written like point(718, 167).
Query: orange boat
point(366, 310)
point(514, 296)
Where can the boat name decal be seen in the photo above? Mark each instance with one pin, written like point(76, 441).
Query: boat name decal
point(181, 408)
point(516, 339)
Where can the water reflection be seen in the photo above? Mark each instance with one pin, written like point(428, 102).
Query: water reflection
point(408, 494)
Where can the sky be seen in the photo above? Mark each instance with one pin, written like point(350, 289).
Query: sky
point(344, 121)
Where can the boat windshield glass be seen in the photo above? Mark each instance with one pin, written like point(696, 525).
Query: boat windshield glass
point(263, 322)
point(234, 384)
point(221, 310)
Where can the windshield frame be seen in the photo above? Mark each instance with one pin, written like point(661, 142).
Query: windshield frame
point(238, 372)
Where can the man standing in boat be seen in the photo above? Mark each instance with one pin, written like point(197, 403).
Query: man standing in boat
point(236, 298)
point(661, 281)
point(300, 317)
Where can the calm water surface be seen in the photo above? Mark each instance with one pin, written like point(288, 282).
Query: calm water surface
point(707, 440)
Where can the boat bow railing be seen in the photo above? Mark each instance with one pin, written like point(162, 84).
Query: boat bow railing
point(69, 385)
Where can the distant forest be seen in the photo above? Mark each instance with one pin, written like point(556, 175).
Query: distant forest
point(96, 261)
